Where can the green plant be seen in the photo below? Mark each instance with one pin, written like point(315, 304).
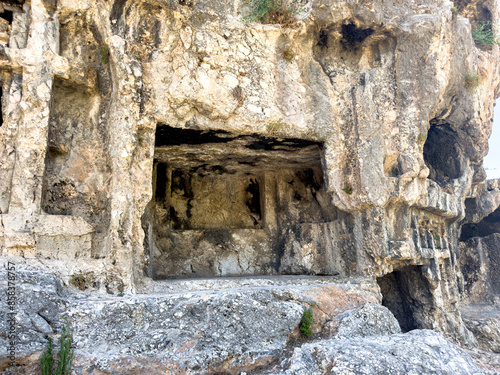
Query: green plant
point(104, 52)
point(472, 80)
point(65, 357)
point(435, 239)
point(121, 294)
point(485, 33)
point(47, 359)
point(282, 12)
point(288, 54)
point(455, 10)
point(422, 137)
point(306, 323)
point(274, 126)
point(347, 189)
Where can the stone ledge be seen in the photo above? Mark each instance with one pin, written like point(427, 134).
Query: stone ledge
point(51, 236)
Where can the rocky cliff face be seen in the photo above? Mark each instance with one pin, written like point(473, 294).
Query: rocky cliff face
point(164, 139)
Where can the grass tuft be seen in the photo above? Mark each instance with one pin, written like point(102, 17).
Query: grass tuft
point(104, 52)
point(288, 54)
point(65, 357)
point(472, 81)
point(422, 137)
point(275, 126)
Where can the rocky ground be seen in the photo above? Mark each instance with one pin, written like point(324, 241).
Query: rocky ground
point(236, 326)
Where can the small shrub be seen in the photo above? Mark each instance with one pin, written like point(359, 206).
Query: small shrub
point(288, 54)
point(306, 323)
point(455, 11)
point(104, 52)
point(47, 359)
point(347, 189)
point(485, 34)
point(274, 126)
point(282, 12)
point(65, 359)
point(472, 81)
point(422, 137)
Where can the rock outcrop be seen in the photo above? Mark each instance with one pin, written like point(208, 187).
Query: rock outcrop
point(416, 352)
point(144, 141)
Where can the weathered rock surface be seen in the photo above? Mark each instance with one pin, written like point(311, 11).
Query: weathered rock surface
point(488, 360)
point(479, 244)
point(416, 352)
point(229, 325)
point(189, 327)
point(484, 322)
point(480, 265)
point(368, 320)
point(38, 303)
point(480, 271)
point(150, 140)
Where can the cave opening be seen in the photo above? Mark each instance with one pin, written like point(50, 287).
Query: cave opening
point(7, 15)
point(353, 36)
point(443, 154)
point(222, 201)
point(489, 225)
point(406, 293)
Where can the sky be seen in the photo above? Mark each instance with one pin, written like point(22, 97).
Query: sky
point(492, 160)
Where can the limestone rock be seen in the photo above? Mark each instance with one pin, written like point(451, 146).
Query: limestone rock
point(192, 326)
point(145, 141)
point(39, 300)
point(484, 322)
point(368, 320)
point(416, 352)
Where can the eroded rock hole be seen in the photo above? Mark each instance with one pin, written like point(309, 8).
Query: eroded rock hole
point(7, 15)
point(187, 3)
point(489, 225)
point(15, 3)
point(406, 294)
point(323, 38)
point(353, 36)
point(474, 11)
point(443, 154)
point(222, 203)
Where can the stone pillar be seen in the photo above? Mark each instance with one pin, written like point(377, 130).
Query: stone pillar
point(35, 63)
point(123, 132)
point(31, 142)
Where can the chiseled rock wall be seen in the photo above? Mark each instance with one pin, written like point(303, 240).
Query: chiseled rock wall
point(346, 143)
